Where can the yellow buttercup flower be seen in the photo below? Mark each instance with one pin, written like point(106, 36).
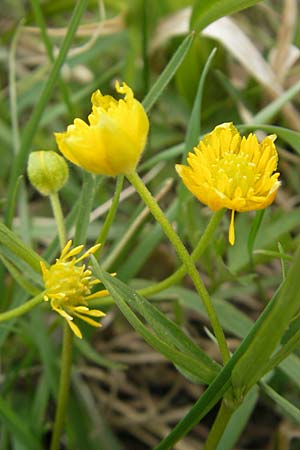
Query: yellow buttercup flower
point(115, 138)
point(68, 287)
point(228, 171)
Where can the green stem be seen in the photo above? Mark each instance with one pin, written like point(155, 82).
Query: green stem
point(59, 217)
point(185, 257)
point(20, 310)
point(64, 385)
point(199, 249)
point(110, 215)
point(224, 414)
point(179, 274)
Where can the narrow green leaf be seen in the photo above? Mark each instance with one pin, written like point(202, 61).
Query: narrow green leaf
point(267, 113)
point(40, 403)
point(164, 328)
point(285, 304)
point(194, 125)
point(238, 421)
point(10, 240)
point(34, 120)
point(17, 427)
point(201, 368)
point(206, 12)
point(236, 322)
point(40, 20)
point(22, 267)
point(284, 404)
point(254, 230)
point(168, 73)
point(215, 390)
point(84, 209)
point(18, 277)
point(87, 350)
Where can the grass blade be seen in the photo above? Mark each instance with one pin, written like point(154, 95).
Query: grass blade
point(168, 72)
point(33, 122)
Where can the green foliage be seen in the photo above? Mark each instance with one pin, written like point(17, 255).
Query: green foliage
point(54, 54)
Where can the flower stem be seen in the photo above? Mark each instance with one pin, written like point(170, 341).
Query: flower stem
point(110, 215)
point(224, 414)
point(58, 214)
point(185, 257)
point(197, 252)
point(64, 386)
point(66, 357)
point(20, 310)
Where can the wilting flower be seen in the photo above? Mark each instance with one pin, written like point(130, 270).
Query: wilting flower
point(227, 171)
point(68, 287)
point(115, 138)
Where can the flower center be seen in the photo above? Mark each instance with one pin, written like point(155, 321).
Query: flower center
point(67, 283)
point(234, 171)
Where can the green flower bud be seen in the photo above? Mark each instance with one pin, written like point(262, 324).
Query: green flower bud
point(47, 171)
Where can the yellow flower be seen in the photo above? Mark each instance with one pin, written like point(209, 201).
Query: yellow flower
point(115, 138)
point(68, 287)
point(227, 171)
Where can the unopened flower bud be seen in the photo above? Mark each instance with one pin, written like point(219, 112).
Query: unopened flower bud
point(47, 171)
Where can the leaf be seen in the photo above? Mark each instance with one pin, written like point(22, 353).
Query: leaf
point(17, 427)
point(254, 230)
point(87, 350)
point(238, 421)
point(167, 73)
point(34, 120)
point(233, 321)
point(10, 240)
point(194, 125)
point(206, 12)
point(267, 113)
point(276, 319)
point(169, 339)
point(284, 404)
point(84, 209)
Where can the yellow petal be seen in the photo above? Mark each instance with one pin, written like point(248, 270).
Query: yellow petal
point(75, 329)
point(231, 229)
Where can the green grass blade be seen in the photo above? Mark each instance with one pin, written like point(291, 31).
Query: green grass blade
point(84, 210)
point(38, 13)
point(238, 421)
point(10, 240)
point(168, 73)
point(89, 353)
point(206, 12)
point(267, 113)
point(18, 277)
point(285, 305)
point(17, 427)
point(254, 230)
point(194, 125)
point(236, 322)
point(36, 115)
point(284, 404)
